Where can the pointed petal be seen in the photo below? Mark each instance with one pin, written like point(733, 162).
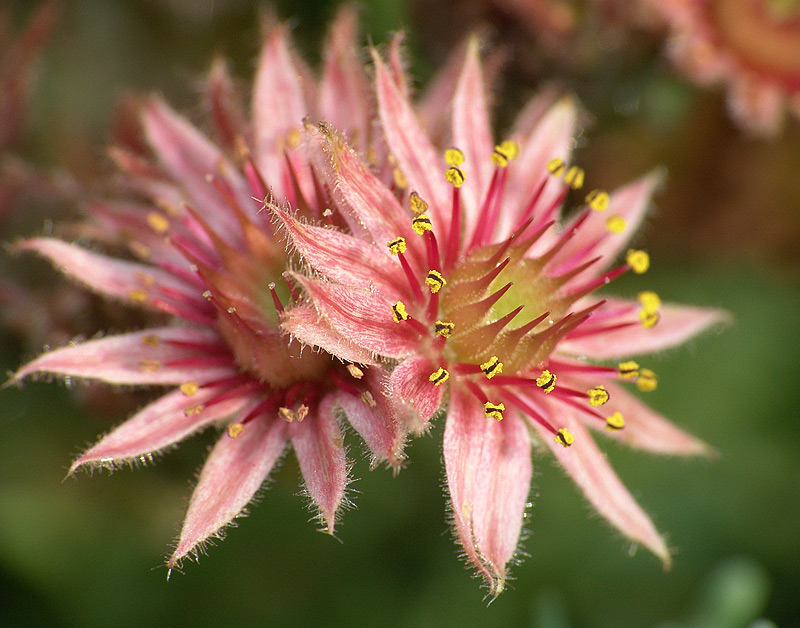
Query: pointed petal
point(128, 281)
point(376, 417)
point(362, 316)
point(227, 111)
point(488, 466)
point(162, 423)
point(311, 328)
point(319, 447)
point(234, 471)
point(676, 325)
point(590, 470)
point(416, 157)
point(342, 257)
point(648, 430)
point(472, 134)
point(410, 381)
point(141, 357)
point(344, 98)
point(551, 137)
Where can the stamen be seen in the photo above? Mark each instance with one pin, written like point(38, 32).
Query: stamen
point(564, 437)
point(615, 422)
point(421, 224)
point(400, 181)
point(647, 380)
point(235, 430)
point(616, 224)
point(435, 281)
point(455, 176)
point(649, 300)
point(493, 367)
point(494, 410)
point(598, 200)
point(546, 381)
point(453, 157)
point(275, 299)
point(649, 318)
point(444, 328)
point(432, 248)
point(639, 261)
point(628, 370)
point(368, 399)
point(598, 396)
point(454, 238)
point(151, 340)
point(397, 246)
point(417, 205)
point(158, 222)
point(190, 388)
point(574, 177)
point(150, 365)
point(556, 166)
point(399, 312)
point(439, 376)
point(355, 371)
point(505, 152)
point(137, 296)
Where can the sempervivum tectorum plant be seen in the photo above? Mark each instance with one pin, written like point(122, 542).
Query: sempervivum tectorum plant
point(209, 258)
point(486, 302)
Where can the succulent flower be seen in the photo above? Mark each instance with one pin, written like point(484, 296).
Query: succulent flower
point(751, 46)
point(209, 259)
point(462, 274)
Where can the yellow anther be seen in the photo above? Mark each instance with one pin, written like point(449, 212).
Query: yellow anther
point(546, 381)
point(615, 422)
point(493, 367)
point(158, 222)
point(504, 152)
point(137, 296)
point(396, 246)
point(628, 370)
point(151, 340)
point(649, 318)
point(647, 380)
point(193, 410)
point(564, 437)
point(455, 176)
point(302, 413)
point(444, 328)
point(649, 300)
point(417, 205)
point(639, 261)
point(293, 137)
point(510, 148)
point(598, 200)
point(421, 224)
point(556, 166)
point(150, 365)
point(190, 388)
point(399, 312)
point(287, 414)
point(148, 281)
point(400, 180)
point(142, 251)
point(355, 371)
point(493, 410)
point(453, 157)
point(597, 396)
point(574, 177)
point(235, 430)
point(368, 399)
point(434, 280)
point(616, 224)
point(439, 377)
point(207, 294)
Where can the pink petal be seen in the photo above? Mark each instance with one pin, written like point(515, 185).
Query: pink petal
point(472, 134)
point(416, 157)
point(551, 137)
point(317, 442)
point(155, 427)
point(227, 112)
point(124, 280)
point(410, 382)
point(344, 98)
point(376, 417)
point(342, 257)
point(234, 471)
point(677, 323)
point(141, 357)
point(646, 429)
point(362, 316)
point(590, 470)
point(488, 466)
point(311, 328)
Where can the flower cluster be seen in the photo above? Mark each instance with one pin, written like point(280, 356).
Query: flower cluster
point(377, 278)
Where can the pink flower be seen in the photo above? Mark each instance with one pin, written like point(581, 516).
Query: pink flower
point(209, 259)
point(751, 46)
point(486, 302)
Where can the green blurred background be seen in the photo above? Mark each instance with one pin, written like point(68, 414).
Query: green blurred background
point(89, 552)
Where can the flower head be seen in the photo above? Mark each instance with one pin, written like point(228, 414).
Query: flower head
point(752, 46)
point(485, 300)
point(209, 259)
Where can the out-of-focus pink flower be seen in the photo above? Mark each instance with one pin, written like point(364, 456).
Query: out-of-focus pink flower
point(486, 301)
point(209, 258)
point(751, 46)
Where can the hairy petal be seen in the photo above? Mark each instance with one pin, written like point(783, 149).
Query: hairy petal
point(234, 471)
point(488, 466)
point(590, 470)
point(142, 357)
point(158, 425)
point(410, 381)
point(319, 447)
